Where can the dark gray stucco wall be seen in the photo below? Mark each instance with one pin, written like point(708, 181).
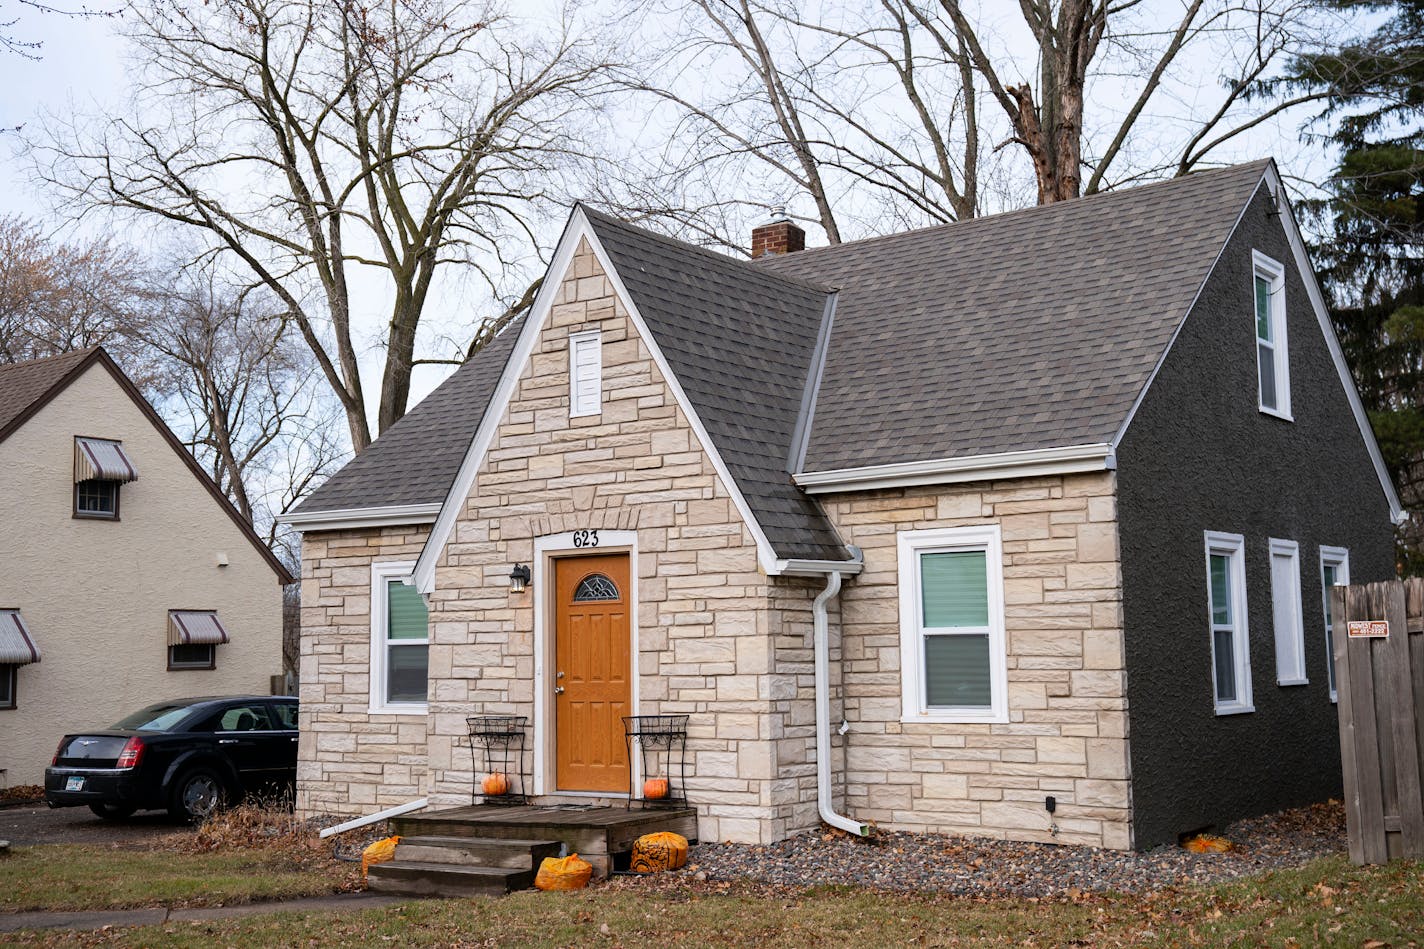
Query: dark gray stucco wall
point(1199, 456)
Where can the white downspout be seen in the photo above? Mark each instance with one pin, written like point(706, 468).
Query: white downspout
point(821, 634)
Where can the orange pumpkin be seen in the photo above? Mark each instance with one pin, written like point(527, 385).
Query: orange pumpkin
point(655, 788)
point(495, 784)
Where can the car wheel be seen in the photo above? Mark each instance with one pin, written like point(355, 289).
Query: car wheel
point(196, 795)
point(112, 811)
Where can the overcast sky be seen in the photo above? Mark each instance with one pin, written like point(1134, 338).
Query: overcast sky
point(81, 63)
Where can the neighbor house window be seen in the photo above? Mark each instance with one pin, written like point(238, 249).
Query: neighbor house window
point(193, 656)
point(1286, 612)
point(7, 686)
point(96, 498)
point(1226, 604)
point(585, 373)
point(953, 664)
point(400, 641)
point(1334, 571)
point(1272, 365)
point(100, 466)
point(193, 639)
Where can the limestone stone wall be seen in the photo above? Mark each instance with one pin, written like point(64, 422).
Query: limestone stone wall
point(1067, 729)
point(351, 762)
point(706, 632)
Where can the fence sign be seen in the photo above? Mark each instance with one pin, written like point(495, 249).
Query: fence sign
point(1369, 629)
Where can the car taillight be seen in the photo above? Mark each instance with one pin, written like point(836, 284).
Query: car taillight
point(133, 751)
point(57, 749)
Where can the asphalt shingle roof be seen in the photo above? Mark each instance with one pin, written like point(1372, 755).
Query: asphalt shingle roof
point(22, 384)
point(415, 460)
point(740, 341)
point(1032, 329)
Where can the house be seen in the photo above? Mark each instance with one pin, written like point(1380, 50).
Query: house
point(1016, 527)
point(128, 576)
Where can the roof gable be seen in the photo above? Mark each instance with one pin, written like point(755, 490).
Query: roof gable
point(27, 387)
point(740, 342)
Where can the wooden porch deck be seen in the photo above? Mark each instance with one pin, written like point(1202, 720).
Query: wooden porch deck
point(601, 834)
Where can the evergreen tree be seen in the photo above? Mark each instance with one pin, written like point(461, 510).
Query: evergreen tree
point(1371, 254)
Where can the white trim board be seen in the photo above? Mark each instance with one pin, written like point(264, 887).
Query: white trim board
point(347, 518)
point(1010, 464)
point(577, 229)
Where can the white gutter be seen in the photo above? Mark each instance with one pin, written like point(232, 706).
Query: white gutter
point(1009, 464)
point(346, 518)
point(821, 627)
point(816, 568)
point(389, 812)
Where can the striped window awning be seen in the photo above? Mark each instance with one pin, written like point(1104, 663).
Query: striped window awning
point(17, 647)
point(195, 628)
point(102, 459)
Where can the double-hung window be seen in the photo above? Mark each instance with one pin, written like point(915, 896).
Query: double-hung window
point(1286, 612)
point(953, 662)
point(1268, 285)
point(400, 641)
point(1226, 606)
point(1334, 571)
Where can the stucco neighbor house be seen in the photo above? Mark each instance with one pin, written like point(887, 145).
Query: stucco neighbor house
point(1015, 527)
point(128, 577)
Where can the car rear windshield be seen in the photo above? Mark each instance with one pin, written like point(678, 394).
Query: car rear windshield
point(155, 718)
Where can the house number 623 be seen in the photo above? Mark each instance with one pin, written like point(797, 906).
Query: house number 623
point(585, 538)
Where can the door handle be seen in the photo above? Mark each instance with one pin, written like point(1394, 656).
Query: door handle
point(227, 741)
point(293, 739)
point(558, 690)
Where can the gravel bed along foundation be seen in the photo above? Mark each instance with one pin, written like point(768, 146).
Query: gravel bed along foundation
point(979, 867)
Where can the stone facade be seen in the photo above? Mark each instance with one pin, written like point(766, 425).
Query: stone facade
point(1067, 729)
point(716, 637)
point(704, 623)
point(350, 761)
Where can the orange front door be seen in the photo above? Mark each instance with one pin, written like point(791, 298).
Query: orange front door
point(592, 662)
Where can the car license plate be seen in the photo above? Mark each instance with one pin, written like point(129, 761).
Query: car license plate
point(74, 783)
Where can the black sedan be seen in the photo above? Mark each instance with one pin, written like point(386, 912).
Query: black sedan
point(190, 756)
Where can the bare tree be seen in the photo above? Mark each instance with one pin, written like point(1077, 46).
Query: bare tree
point(57, 296)
point(237, 385)
point(310, 138)
point(14, 43)
point(877, 112)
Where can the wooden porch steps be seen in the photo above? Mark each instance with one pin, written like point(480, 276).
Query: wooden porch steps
point(460, 866)
point(515, 839)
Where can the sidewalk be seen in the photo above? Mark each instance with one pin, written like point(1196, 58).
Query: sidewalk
point(14, 922)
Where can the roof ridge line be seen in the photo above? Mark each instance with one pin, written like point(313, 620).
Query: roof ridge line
point(999, 216)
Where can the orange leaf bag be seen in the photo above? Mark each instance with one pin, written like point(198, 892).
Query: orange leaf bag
point(378, 852)
point(660, 851)
point(563, 873)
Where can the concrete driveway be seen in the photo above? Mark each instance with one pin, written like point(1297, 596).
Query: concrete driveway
point(37, 824)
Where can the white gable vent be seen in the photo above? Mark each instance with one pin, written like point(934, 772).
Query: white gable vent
point(585, 373)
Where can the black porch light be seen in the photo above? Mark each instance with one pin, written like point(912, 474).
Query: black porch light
point(519, 578)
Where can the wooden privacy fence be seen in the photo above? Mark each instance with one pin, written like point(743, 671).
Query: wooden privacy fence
point(1379, 680)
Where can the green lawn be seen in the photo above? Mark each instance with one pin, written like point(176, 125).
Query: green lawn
point(83, 877)
point(1327, 903)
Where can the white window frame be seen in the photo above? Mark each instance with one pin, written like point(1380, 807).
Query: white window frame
point(1232, 546)
point(910, 545)
point(381, 574)
point(1287, 615)
point(1275, 272)
point(1339, 558)
point(585, 358)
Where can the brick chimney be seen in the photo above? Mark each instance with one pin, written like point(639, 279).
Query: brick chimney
point(777, 236)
